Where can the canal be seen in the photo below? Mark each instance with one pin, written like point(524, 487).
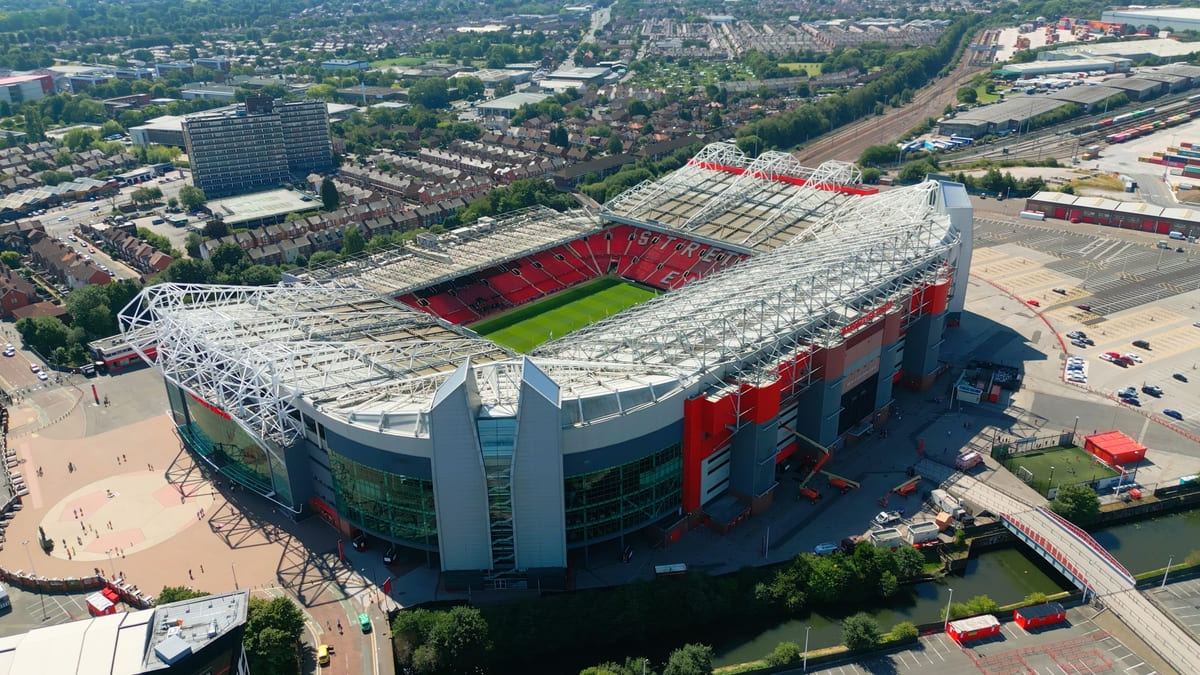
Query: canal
point(1005, 575)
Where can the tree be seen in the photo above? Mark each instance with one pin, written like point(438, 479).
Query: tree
point(44, 333)
point(260, 275)
point(429, 92)
point(785, 653)
point(190, 271)
point(460, 640)
point(227, 258)
point(905, 631)
point(215, 229)
point(90, 311)
point(322, 257)
point(329, 194)
point(1077, 503)
point(11, 259)
point(353, 241)
point(967, 95)
point(690, 659)
point(615, 147)
point(191, 197)
point(273, 629)
point(982, 604)
point(177, 593)
point(860, 631)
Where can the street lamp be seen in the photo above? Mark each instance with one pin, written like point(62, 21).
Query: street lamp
point(45, 616)
point(1075, 428)
point(1050, 480)
point(233, 567)
point(946, 623)
point(1168, 570)
point(806, 629)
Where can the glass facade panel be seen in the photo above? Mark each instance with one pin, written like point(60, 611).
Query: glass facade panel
point(392, 506)
point(604, 503)
point(497, 438)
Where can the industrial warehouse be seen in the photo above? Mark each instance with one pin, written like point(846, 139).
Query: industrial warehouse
point(788, 303)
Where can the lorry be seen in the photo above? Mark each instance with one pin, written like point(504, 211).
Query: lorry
point(942, 500)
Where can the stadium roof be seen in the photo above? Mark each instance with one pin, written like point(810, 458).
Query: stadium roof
point(347, 350)
point(432, 260)
point(724, 196)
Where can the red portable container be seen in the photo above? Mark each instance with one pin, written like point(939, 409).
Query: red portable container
point(973, 628)
point(1045, 614)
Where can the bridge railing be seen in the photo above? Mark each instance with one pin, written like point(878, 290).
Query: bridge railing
point(1087, 539)
point(1042, 542)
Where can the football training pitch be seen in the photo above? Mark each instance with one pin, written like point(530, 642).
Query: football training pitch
point(526, 327)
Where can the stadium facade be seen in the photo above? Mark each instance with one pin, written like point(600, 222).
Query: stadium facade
point(794, 301)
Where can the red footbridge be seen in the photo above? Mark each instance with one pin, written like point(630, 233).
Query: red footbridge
point(1081, 559)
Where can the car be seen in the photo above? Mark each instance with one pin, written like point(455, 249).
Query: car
point(1088, 341)
point(1060, 291)
point(1086, 308)
point(43, 376)
point(1180, 376)
point(1197, 324)
point(364, 622)
point(1076, 334)
point(1128, 391)
point(94, 208)
point(91, 250)
point(886, 518)
point(1175, 414)
point(87, 258)
point(1179, 250)
point(1035, 303)
point(390, 556)
point(72, 237)
point(33, 367)
point(826, 548)
point(1152, 390)
point(323, 652)
point(10, 352)
point(1079, 343)
point(360, 542)
point(1106, 357)
point(63, 219)
point(1141, 344)
point(1132, 357)
point(1131, 400)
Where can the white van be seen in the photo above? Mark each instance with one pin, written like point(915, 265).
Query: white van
point(1177, 235)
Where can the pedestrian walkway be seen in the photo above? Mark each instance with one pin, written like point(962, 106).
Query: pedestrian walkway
point(1087, 564)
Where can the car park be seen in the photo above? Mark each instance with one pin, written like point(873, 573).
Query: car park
point(1132, 357)
point(1174, 414)
point(1180, 376)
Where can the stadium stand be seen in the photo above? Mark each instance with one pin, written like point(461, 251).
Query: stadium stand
point(662, 261)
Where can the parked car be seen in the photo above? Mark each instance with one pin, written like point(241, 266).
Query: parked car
point(1086, 308)
point(360, 543)
point(1173, 414)
point(1133, 357)
point(1079, 343)
point(43, 376)
point(33, 368)
point(390, 556)
point(826, 548)
point(1180, 376)
point(364, 622)
point(1088, 341)
point(1152, 390)
point(1060, 291)
point(1035, 303)
point(1141, 344)
point(1107, 357)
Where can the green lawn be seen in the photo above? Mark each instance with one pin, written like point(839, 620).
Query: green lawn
point(801, 68)
point(985, 97)
point(526, 327)
point(1071, 465)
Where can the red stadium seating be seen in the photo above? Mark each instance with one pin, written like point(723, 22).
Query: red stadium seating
point(647, 257)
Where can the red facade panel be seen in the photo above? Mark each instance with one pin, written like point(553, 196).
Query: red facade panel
point(935, 297)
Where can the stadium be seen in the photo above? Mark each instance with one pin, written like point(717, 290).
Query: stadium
point(507, 393)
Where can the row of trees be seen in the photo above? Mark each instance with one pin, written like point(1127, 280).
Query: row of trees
point(93, 311)
point(866, 575)
point(910, 70)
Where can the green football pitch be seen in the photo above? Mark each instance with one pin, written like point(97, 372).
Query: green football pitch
point(526, 327)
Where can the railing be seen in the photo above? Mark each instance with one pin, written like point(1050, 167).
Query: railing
point(1090, 542)
point(1048, 548)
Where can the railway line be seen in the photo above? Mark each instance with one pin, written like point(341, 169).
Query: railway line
point(1060, 143)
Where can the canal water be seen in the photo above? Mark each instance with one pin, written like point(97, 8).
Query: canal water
point(1006, 576)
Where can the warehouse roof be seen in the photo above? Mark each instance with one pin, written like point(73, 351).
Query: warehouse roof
point(1015, 108)
point(1085, 95)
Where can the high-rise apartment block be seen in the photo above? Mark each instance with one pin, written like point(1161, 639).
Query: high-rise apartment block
point(256, 145)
